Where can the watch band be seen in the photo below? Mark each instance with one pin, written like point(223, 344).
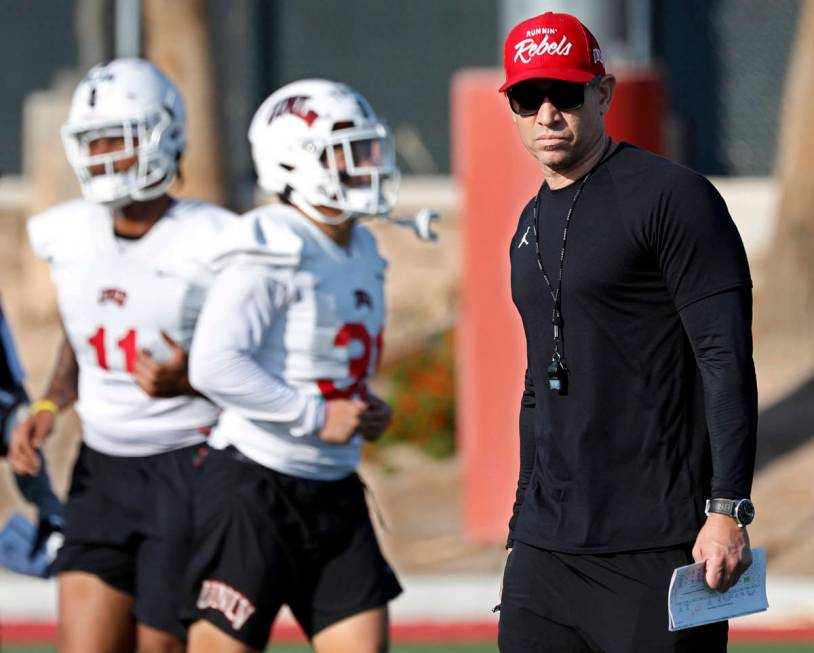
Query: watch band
point(721, 506)
point(741, 510)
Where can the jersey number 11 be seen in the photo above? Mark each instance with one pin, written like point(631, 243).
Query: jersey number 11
point(127, 344)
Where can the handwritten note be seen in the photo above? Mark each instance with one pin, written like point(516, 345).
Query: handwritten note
point(692, 603)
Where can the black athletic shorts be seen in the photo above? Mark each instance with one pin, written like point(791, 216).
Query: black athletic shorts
point(129, 523)
point(264, 539)
point(614, 603)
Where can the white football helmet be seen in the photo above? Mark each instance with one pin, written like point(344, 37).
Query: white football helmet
point(132, 100)
point(318, 143)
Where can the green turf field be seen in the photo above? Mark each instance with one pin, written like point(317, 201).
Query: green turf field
point(772, 648)
point(469, 648)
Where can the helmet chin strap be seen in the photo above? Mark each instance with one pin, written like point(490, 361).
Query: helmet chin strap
point(151, 192)
point(139, 195)
point(136, 194)
point(314, 213)
point(118, 203)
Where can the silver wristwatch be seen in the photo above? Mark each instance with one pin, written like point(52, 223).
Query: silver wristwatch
point(741, 510)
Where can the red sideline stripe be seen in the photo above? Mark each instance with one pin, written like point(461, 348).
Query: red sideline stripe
point(798, 634)
point(410, 633)
point(407, 633)
point(28, 633)
point(444, 633)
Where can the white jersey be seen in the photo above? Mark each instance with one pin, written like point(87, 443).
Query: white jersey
point(116, 297)
point(293, 322)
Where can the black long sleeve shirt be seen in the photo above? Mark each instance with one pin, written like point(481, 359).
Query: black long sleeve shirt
point(660, 412)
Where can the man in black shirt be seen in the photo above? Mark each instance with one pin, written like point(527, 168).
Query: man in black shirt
point(640, 399)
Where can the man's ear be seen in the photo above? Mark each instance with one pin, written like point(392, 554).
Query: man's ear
point(607, 87)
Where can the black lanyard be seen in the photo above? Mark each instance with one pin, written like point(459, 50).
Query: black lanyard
point(558, 370)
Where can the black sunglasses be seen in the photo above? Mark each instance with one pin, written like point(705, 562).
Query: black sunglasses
point(526, 98)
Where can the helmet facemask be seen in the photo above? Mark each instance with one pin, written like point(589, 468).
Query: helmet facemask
point(152, 172)
point(362, 177)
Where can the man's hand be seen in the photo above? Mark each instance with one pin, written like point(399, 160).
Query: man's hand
point(342, 420)
point(163, 379)
point(724, 547)
point(26, 439)
point(376, 418)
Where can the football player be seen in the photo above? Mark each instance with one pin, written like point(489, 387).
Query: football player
point(13, 396)
point(25, 547)
point(289, 336)
point(132, 266)
point(12, 392)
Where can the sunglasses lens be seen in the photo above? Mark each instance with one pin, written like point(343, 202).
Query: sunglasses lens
point(565, 95)
point(526, 99)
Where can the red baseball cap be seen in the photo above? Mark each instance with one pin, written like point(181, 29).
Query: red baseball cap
point(552, 46)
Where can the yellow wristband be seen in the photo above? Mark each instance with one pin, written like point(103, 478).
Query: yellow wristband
point(43, 404)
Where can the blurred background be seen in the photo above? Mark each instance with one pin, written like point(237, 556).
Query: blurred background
point(722, 86)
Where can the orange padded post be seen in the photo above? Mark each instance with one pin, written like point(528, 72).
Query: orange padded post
point(496, 177)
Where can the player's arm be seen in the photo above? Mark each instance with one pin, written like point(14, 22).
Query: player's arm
point(30, 434)
point(528, 450)
point(719, 328)
point(63, 389)
point(239, 312)
point(12, 392)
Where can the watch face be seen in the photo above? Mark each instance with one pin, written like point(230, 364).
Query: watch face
point(745, 512)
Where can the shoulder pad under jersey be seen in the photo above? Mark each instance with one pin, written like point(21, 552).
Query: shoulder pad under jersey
point(369, 247)
point(205, 226)
point(263, 236)
point(207, 217)
point(64, 229)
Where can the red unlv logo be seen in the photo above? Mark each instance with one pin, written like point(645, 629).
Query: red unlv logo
point(118, 297)
point(296, 106)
